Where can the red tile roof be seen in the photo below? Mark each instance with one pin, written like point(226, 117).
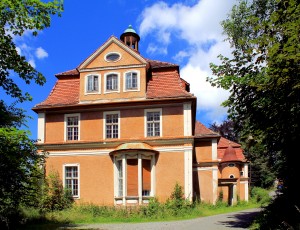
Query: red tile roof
point(229, 155)
point(72, 72)
point(154, 64)
point(166, 84)
point(202, 131)
point(64, 92)
point(224, 143)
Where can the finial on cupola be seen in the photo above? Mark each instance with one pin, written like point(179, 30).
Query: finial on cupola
point(130, 38)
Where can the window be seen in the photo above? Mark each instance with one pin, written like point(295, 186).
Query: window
point(112, 57)
point(112, 82)
point(241, 173)
point(120, 177)
point(134, 176)
point(92, 84)
point(71, 179)
point(111, 124)
point(131, 81)
point(153, 123)
point(231, 165)
point(72, 127)
point(231, 176)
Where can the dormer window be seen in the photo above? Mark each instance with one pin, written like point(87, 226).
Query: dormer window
point(112, 82)
point(93, 84)
point(112, 57)
point(131, 81)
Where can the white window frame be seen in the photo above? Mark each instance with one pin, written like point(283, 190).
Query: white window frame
point(107, 60)
point(99, 84)
point(105, 83)
point(66, 125)
point(145, 121)
point(78, 177)
point(133, 155)
point(137, 79)
point(104, 123)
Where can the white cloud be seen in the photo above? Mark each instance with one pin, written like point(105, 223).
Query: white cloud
point(199, 27)
point(41, 53)
point(32, 63)
point(152, 48)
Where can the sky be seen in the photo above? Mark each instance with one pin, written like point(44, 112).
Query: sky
point(187, 33)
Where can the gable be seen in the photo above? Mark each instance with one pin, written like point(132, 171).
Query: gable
point(98, 59)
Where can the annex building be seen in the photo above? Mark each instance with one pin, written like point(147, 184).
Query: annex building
point(120, 129)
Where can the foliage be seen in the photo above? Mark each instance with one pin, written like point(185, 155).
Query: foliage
point(19, 170)
point(54, 195)
point(263, 78)
point(19, 160)
point(10, 116)
point(17, 17)
point(177, 204)
point(260, 195)
point(261, 163)
point(275, 216)
point(226, 130)
point(154, 211)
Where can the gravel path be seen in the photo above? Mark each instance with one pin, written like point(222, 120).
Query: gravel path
point(235, 220)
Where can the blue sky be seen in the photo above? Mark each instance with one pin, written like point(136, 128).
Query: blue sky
point(185, 32)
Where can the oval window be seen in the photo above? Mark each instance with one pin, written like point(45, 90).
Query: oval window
point(231, 164)
point(112, 57)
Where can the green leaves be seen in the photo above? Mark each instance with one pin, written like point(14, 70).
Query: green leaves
point(263, 79)
point(16, 17)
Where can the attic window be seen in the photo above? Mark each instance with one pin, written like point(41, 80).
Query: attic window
point(112, 57)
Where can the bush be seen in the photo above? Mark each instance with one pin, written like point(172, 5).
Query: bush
point(177, 204)
point(260, 195)
point(54, 196)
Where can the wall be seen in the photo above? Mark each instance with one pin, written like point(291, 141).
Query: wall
point(203, 151)
point(96, 173)
point(169, 170)
point(132, 124)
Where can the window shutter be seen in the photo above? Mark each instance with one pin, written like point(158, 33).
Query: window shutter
point(132, 177)
point(146, 174)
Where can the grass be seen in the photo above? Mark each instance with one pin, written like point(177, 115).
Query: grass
point(175, 208)
point(92, 214)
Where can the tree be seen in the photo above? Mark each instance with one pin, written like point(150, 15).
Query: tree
point(263, 78)
point(19, 165)
point(260, 163)
point(225, 129)
point(15, 18)
point(19, 159)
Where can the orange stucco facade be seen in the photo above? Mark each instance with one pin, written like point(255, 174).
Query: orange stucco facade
point(120, 129)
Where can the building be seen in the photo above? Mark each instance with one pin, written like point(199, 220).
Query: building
point(120, 129)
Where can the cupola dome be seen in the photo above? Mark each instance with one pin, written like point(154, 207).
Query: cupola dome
point(130, 38)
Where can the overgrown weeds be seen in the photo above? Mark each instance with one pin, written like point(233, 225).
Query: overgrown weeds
point(176, 207)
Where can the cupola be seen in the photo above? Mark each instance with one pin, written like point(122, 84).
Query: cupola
point(130, 38)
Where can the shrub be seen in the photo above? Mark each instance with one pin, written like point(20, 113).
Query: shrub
point(177, 204)
point(260, 195)
point(54, 196)
point(153, 209)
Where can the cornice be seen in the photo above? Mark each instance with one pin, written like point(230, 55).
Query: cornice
point(157, 144)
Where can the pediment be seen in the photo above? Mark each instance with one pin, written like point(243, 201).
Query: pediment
point(112, 53)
